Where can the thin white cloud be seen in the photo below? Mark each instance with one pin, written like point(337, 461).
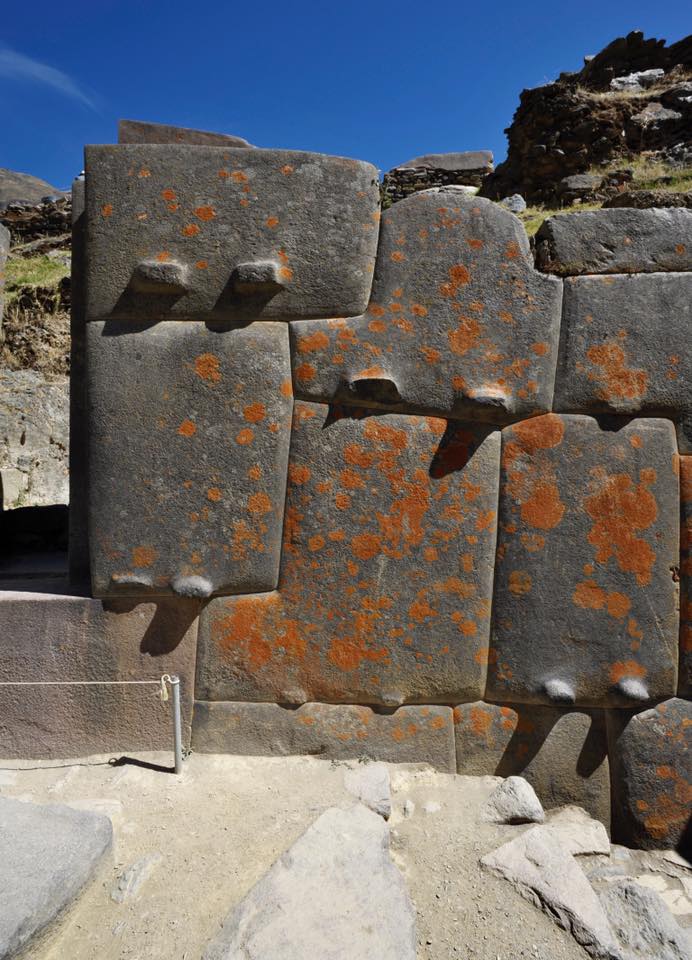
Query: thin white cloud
point(18, 67)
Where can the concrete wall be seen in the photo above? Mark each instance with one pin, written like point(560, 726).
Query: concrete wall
point(413, 497)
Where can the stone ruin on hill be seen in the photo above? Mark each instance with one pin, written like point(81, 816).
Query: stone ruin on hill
point(372, 484)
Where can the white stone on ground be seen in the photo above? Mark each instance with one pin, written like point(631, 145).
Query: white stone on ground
point(513, 801)
point(334, 895)
point(539, 867)
point(369, 783)
point(47, 854)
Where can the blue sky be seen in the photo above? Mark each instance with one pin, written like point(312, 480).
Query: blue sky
point(382, 82)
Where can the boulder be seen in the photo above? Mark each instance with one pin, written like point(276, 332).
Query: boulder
point(369, 783)
point(578, 832)
point(515, 203)
point(513, 801)
point(47, 855)
point(643, 924)
point(334, 894)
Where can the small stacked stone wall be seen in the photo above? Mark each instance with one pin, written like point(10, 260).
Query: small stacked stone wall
point(377, 487)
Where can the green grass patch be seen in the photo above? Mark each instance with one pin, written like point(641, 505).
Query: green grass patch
point(533, 217)
point(23, 272)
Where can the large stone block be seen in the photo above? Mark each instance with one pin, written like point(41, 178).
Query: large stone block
point(625, 348)
point(387, 568)
point(34, 439)
point(416, 734)
point(48, 636)
point(189, 429)
point(685, 673)
point(616, 241)
point(585, 596)
point(459, 323)
point(652, 788)
point(142, 131)
point(562, 753)
point(203, 232)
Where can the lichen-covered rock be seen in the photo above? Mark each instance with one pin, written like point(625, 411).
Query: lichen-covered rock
point(460, 324)
point(415, 734)
point(189, 429)
point(624, 348)
point(584, 608)
point(208, 209)
point(685, 673)
point(386, 575)
point(650, 761)
point(562, 753)
point(616, 241)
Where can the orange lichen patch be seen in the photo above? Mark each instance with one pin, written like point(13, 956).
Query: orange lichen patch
point(376, 309)
point(190, 230)
point(163, 257)
point(418, 310)
point(351, 480)
point(342, 501)
point(505, 316)
point(107, 209)
point(286, 388)
point(430, 554)
point(618, 510)
point(468, 627)
point(431, 355)
point(459, 276)
point(205, 213)
point(543, 508)
point(187, 429)
point(201, 264)
point(397, 256)
point(143, 556)
point(207, 367)
point(474, 244)
point(540, 433)
point(238, 176)
point(272, 222)
point(245, 436)
point(144, 172)
point(169, 195)
point(627, 668)
point(481, 721)
point(377, 326)
point(421, 610)
point(512, 250)
point(533, 542)
point(213, 494)
point(305, 372)
point(618, 381)
point(255, 412)
point(259, 503)
point(465, 336)
point(519, 582)
point(298, 473)
point(540, 349)
point(357, 456)
point(286, 273)
point(313, 341)
point(287, 169)
point(255, 472)
point(365, 546)
point(336, 535)
point(316, 543)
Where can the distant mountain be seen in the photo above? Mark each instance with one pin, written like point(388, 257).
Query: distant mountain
point(23, 187)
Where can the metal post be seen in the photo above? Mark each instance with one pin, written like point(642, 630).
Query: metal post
point(177, 725)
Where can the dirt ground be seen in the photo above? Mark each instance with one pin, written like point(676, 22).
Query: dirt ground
point(215, 830)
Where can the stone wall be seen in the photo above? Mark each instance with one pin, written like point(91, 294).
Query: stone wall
point(377, 485)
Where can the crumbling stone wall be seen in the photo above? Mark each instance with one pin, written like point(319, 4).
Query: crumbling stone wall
point(413, 498)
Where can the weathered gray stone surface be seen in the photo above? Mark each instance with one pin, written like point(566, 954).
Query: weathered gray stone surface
point(369, 783)
point(545, 873)
point(48, 636)
point(578, 832)
point(651, 773)
point(584, 607)
point(413, 734)
point(4, 250)
point(464, 160)
point(47, 855)
point(386, 576)
point(141, 131)
point(515, 203)
point(459, 323)
point(562, 753)
point(685, 672)
point(624, 348)
point(210, 209)
point(513, 801)
point(616, 241)
point(34, 439)
point(188, 446)
point(335, 895)
point(643, 924)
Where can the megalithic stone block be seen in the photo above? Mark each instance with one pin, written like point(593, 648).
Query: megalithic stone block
point(584, 610)
point(386, 576)
point(4, 250)
point(562, 753)
point(202, 212)
point(626, 348)
point(414, 734)
point(651, 764)
point(142, 131)
point(460, 324)
point(616, 241)
point(685, 679)
point(189, 430)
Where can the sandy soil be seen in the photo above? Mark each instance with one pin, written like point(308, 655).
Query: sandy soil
point(219, 827)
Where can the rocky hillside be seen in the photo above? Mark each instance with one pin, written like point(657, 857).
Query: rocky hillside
point(23, 187)
point(633, 100)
